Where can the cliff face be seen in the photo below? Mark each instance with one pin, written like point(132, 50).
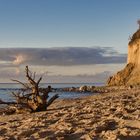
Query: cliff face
point(134, 49)
point(130, 75)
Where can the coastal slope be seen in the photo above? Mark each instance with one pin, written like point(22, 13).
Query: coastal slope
point(130, 75)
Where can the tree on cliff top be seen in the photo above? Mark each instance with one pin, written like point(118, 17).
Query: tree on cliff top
point(138, 21)
point(31, 96)
point(136, 35)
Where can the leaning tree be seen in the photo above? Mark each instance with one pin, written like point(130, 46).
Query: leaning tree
point(138, 21)
point(31, 96)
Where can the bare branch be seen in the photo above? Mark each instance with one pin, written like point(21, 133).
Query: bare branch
point(39, 80)
point(32, 82)
point(26, 86)
point(15, 94)
point(34, 75)
point(52, 99)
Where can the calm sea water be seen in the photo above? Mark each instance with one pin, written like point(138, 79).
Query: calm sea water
point(6, 89)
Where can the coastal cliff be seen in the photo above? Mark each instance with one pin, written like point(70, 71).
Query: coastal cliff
point(130, 75)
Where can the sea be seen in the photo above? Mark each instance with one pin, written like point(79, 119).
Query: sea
point(6, 90)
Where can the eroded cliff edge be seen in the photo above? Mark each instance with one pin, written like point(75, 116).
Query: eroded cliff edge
point(130, 75)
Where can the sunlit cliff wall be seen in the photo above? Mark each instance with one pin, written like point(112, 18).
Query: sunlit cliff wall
point(130, 75)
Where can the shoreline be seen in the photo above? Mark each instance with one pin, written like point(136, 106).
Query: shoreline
point(112, 115)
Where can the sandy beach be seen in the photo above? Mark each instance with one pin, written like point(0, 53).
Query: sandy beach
point(107, 116)
point(70, 70)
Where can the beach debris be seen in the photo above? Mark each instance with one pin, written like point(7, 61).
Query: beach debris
point(31, 96)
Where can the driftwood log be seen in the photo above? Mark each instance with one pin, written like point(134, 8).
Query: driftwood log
point(31, 96)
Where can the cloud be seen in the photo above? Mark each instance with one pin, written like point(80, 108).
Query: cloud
point(84, 78)
point(60, 56)
point(81, 78)
point(19, 59)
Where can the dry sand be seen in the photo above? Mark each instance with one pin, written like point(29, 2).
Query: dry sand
point(106, 116)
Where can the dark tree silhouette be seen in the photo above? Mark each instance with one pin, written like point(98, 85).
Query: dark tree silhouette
point(138, 21)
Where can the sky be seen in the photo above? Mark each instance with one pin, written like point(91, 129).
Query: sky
point(65, 40)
